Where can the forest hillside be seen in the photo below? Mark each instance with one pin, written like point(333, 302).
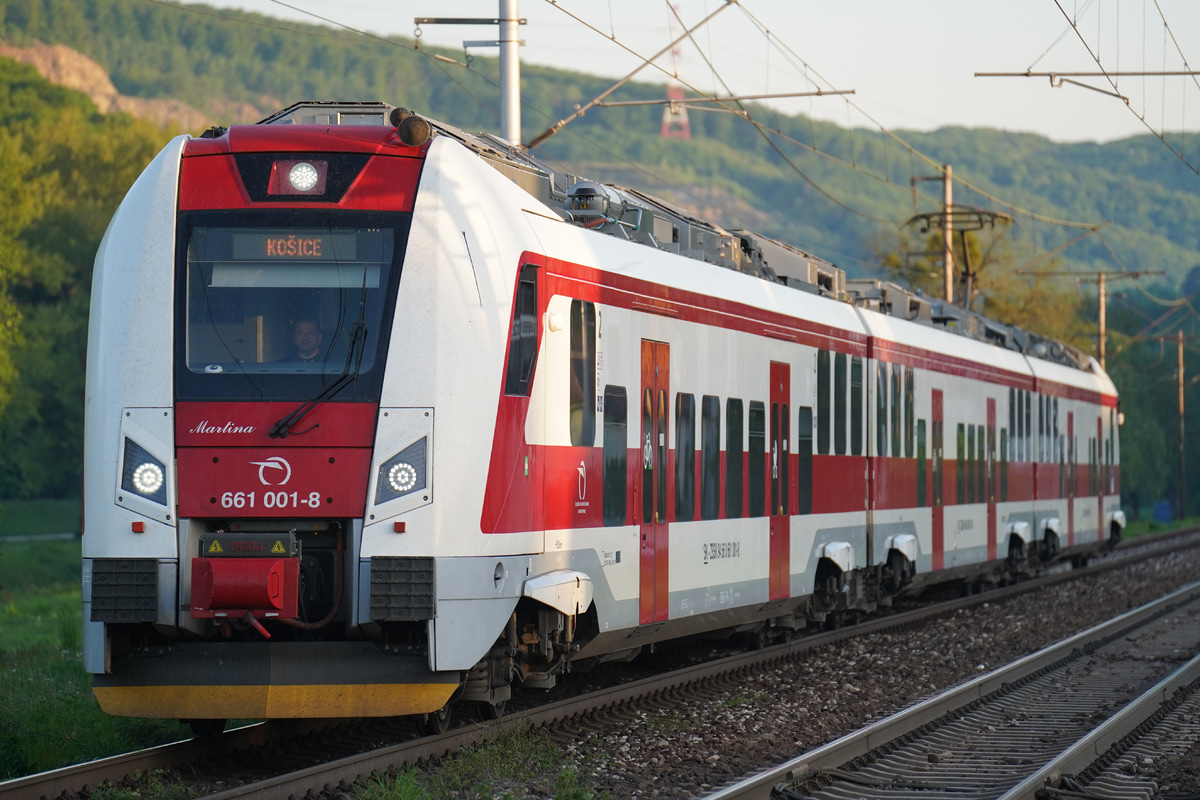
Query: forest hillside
point(91, 89)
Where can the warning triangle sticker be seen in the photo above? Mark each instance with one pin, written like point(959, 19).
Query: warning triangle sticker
point(278, 548)
point(215, 547)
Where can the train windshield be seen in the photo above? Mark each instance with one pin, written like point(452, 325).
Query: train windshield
point(278, 305)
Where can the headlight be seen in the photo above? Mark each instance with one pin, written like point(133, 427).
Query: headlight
point(143, 474)
point(403, 473)
point(402, 477)
point(147, 478)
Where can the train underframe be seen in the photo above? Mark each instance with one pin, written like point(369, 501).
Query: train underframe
point(235, 663)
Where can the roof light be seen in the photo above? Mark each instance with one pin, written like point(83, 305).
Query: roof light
point(303, 176)
point(298, 176)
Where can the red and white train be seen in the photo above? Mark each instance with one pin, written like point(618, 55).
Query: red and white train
point(545, 422)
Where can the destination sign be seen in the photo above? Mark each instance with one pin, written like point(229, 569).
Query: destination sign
point(294, 246)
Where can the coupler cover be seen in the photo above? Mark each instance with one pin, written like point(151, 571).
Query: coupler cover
point(257, 574)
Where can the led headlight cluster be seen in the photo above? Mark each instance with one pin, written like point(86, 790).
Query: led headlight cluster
point(143, 474)
point(303, 177)
point(403, 473)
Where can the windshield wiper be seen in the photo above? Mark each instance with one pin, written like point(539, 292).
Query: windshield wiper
point(358, 338)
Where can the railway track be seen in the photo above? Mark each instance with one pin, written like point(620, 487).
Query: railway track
point(1044, 726)
point(249, 761)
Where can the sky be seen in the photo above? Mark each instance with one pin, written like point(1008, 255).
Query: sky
point(911, 64)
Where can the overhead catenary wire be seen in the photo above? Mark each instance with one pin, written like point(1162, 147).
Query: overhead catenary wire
point(764, 129)
point(1108, 76)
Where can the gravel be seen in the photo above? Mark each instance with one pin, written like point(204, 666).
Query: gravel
point(672, 752)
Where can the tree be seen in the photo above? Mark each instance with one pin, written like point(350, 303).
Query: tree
point(998, 287)
point(66, 169)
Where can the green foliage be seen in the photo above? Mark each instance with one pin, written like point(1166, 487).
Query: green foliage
point(49, 717)
point(145, 785)
point(28, 566)
point(28, 517)
point(516, 764)
point(67, 167)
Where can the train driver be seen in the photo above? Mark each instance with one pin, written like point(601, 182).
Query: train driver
point(306, 338)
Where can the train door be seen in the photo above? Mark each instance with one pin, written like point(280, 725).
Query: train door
point(935, 481)
point(1073, 470)
point(780, 554)
point(654, 589)
point(989, 488)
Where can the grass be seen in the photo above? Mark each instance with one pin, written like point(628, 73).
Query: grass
point(26, 517)
point(517, 763)
point(1145, 527)
point(48, 716)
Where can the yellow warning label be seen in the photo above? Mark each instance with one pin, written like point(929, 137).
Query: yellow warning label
point(215, 547)
point(278, 548)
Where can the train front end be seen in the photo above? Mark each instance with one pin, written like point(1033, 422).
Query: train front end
point(241, 321)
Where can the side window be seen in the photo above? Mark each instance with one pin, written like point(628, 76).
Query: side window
point(823, 402)
point(895, 410)
point(910, 396)
point(523, 335)
point(981, 464)
point(734, 443)
point(804, 453)
point(1028, 426)
point(881, 405)
point(1041, 446)
point(970, 463)
point(757, 454)
point(685, 457)
point(1004, 440)
point(1012, 422)
point(616, 454)
point(960, 466)
point(710, 457)
point(841, 397)
point(583, 373)
point(856, 406)
point(921, 462)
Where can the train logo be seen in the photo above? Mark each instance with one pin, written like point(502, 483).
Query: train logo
point(273, 463)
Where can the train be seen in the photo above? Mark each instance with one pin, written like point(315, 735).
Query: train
point(384, 418)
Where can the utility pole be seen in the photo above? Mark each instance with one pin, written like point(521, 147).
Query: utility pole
point(510, 73)
point(947, 215)
point(510, 61)
point(948, 231)
point(1182, 460)
point(1102, 312)
point(1180, 383)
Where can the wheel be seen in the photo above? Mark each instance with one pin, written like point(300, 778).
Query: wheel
point(205, 728)
point(757, 639)
point(436, 722)
point(490, 711)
